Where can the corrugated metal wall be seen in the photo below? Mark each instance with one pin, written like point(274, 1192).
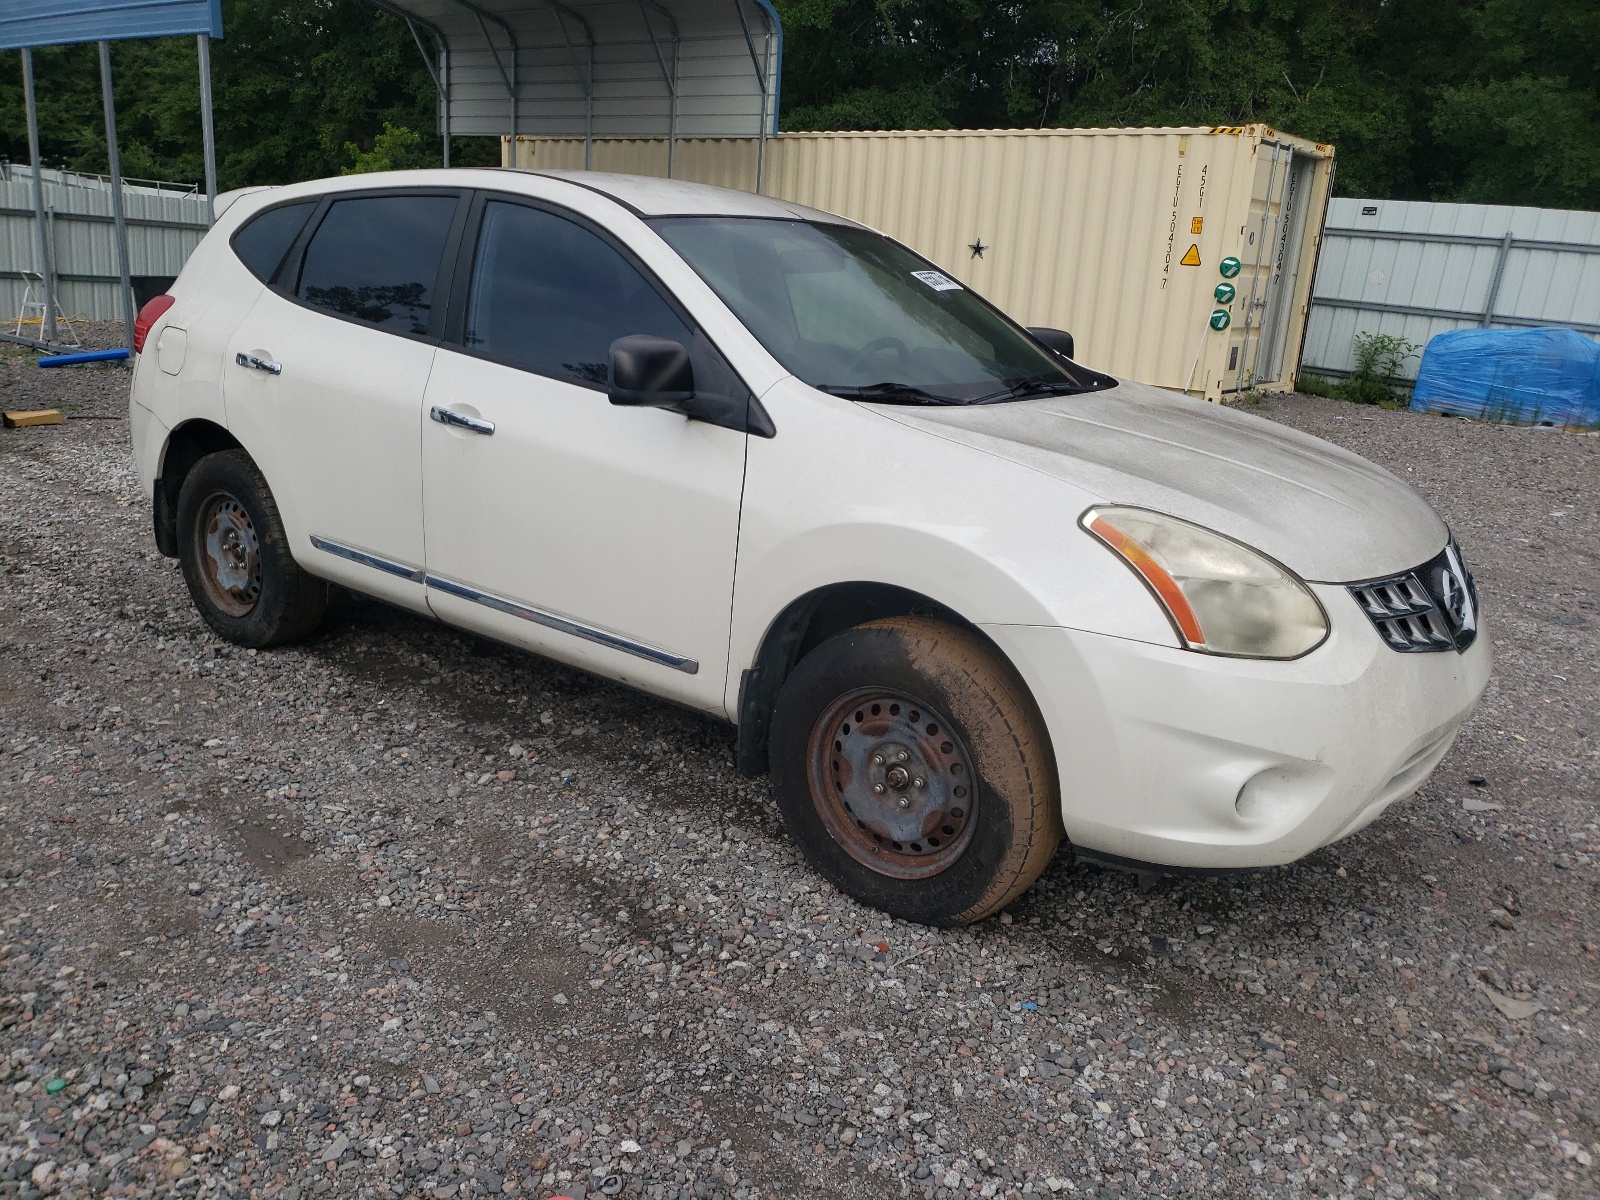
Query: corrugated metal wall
point(1086, 230)
point(1415, 269)
point(164, 227)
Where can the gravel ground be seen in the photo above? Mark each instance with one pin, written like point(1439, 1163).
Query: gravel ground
point(403, 913)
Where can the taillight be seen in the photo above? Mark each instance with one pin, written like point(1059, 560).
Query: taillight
point(154, 309)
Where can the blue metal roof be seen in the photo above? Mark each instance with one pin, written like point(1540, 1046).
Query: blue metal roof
point(26, 23)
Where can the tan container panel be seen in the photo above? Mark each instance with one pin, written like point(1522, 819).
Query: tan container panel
point(724, 162)
point(1092, 231)
point(1115, 235)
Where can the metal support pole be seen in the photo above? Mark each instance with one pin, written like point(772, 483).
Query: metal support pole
point(588, 114)
point(670, 77)
point(441, 80)
point(118, 214)
point(760, 64)
point(47, 329)
point(766, 115)
point(585, 79)
point(1494, 283)
point(672, 122)
point(208, 129)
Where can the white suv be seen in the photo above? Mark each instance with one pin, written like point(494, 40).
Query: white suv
point(961, 594)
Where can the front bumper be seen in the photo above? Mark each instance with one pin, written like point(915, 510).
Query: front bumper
point(1190, 760)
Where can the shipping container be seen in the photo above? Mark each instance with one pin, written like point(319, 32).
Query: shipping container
point(1178, 257)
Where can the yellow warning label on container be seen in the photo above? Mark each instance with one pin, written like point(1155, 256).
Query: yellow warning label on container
point(1191, 259)
point(1196, 224)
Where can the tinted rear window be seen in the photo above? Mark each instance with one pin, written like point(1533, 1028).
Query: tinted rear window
point(376, 259)
point(262, 242)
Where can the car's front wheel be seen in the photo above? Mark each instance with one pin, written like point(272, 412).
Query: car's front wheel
point(235, 556)
point(913, 770)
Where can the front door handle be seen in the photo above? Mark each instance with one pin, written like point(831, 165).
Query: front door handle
point(446, 416)
point(256, 363)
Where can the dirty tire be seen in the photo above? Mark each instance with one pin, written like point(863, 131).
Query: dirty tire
point(275, 601)
point(1013, 824)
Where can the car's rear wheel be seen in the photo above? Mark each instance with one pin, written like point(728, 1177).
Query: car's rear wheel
point(913, 770)
point(235, 556)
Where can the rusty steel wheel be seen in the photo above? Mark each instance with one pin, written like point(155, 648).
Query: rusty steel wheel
point(892, 783)
point(236, 559)
point(229, 554)
point(913, 770)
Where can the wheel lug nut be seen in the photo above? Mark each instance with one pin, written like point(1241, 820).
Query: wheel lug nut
point(919, 782)
point(877, 760)
point(903, 756)
point(905, 802)
point(878, 788)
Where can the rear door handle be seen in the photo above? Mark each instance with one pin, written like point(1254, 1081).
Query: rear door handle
point(446, 416)
point(256, 363)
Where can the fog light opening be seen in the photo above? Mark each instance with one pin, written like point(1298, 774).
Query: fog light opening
point(1265, 795)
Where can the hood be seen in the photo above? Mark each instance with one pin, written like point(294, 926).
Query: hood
point(1329, 515)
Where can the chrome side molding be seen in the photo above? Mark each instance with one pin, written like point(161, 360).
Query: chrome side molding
point(538, 616)
point(414, 574)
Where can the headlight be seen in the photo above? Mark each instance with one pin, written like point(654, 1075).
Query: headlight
point(1222, 597)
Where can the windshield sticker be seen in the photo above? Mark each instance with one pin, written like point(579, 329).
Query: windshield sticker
point(937, 280)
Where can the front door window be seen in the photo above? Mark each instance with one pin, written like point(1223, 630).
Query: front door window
point(550, 296)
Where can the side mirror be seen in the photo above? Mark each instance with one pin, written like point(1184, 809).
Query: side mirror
point(650, 372)
point(1058, 340)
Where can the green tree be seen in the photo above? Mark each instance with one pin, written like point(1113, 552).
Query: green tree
point(395, 149)
point(1523, 125)
point(296, 83)
point(1425, 99)
point(1485, 100)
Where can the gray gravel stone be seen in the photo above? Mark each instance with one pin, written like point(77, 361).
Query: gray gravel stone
point(401, 913)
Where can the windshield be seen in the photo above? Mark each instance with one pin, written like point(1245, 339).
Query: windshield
point(853, 313)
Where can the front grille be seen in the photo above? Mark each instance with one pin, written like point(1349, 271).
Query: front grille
point(1432, 607)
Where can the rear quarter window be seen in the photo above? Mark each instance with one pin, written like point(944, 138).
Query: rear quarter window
point(262, 241)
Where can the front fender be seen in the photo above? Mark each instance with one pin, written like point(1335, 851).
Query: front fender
point(843, 494)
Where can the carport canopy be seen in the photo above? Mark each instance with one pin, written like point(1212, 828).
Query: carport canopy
point(601, 68)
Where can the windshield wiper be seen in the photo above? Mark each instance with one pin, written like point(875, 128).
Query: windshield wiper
point(906, 393)
point(1036, 385)
point(887, 393)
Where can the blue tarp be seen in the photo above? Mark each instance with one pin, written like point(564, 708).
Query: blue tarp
point(1520, 376)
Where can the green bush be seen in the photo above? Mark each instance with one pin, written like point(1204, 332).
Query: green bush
point(1316, 385)
point(1379, 357)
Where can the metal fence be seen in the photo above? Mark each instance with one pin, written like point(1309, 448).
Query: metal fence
point(165, 224)
point(1415, 269)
